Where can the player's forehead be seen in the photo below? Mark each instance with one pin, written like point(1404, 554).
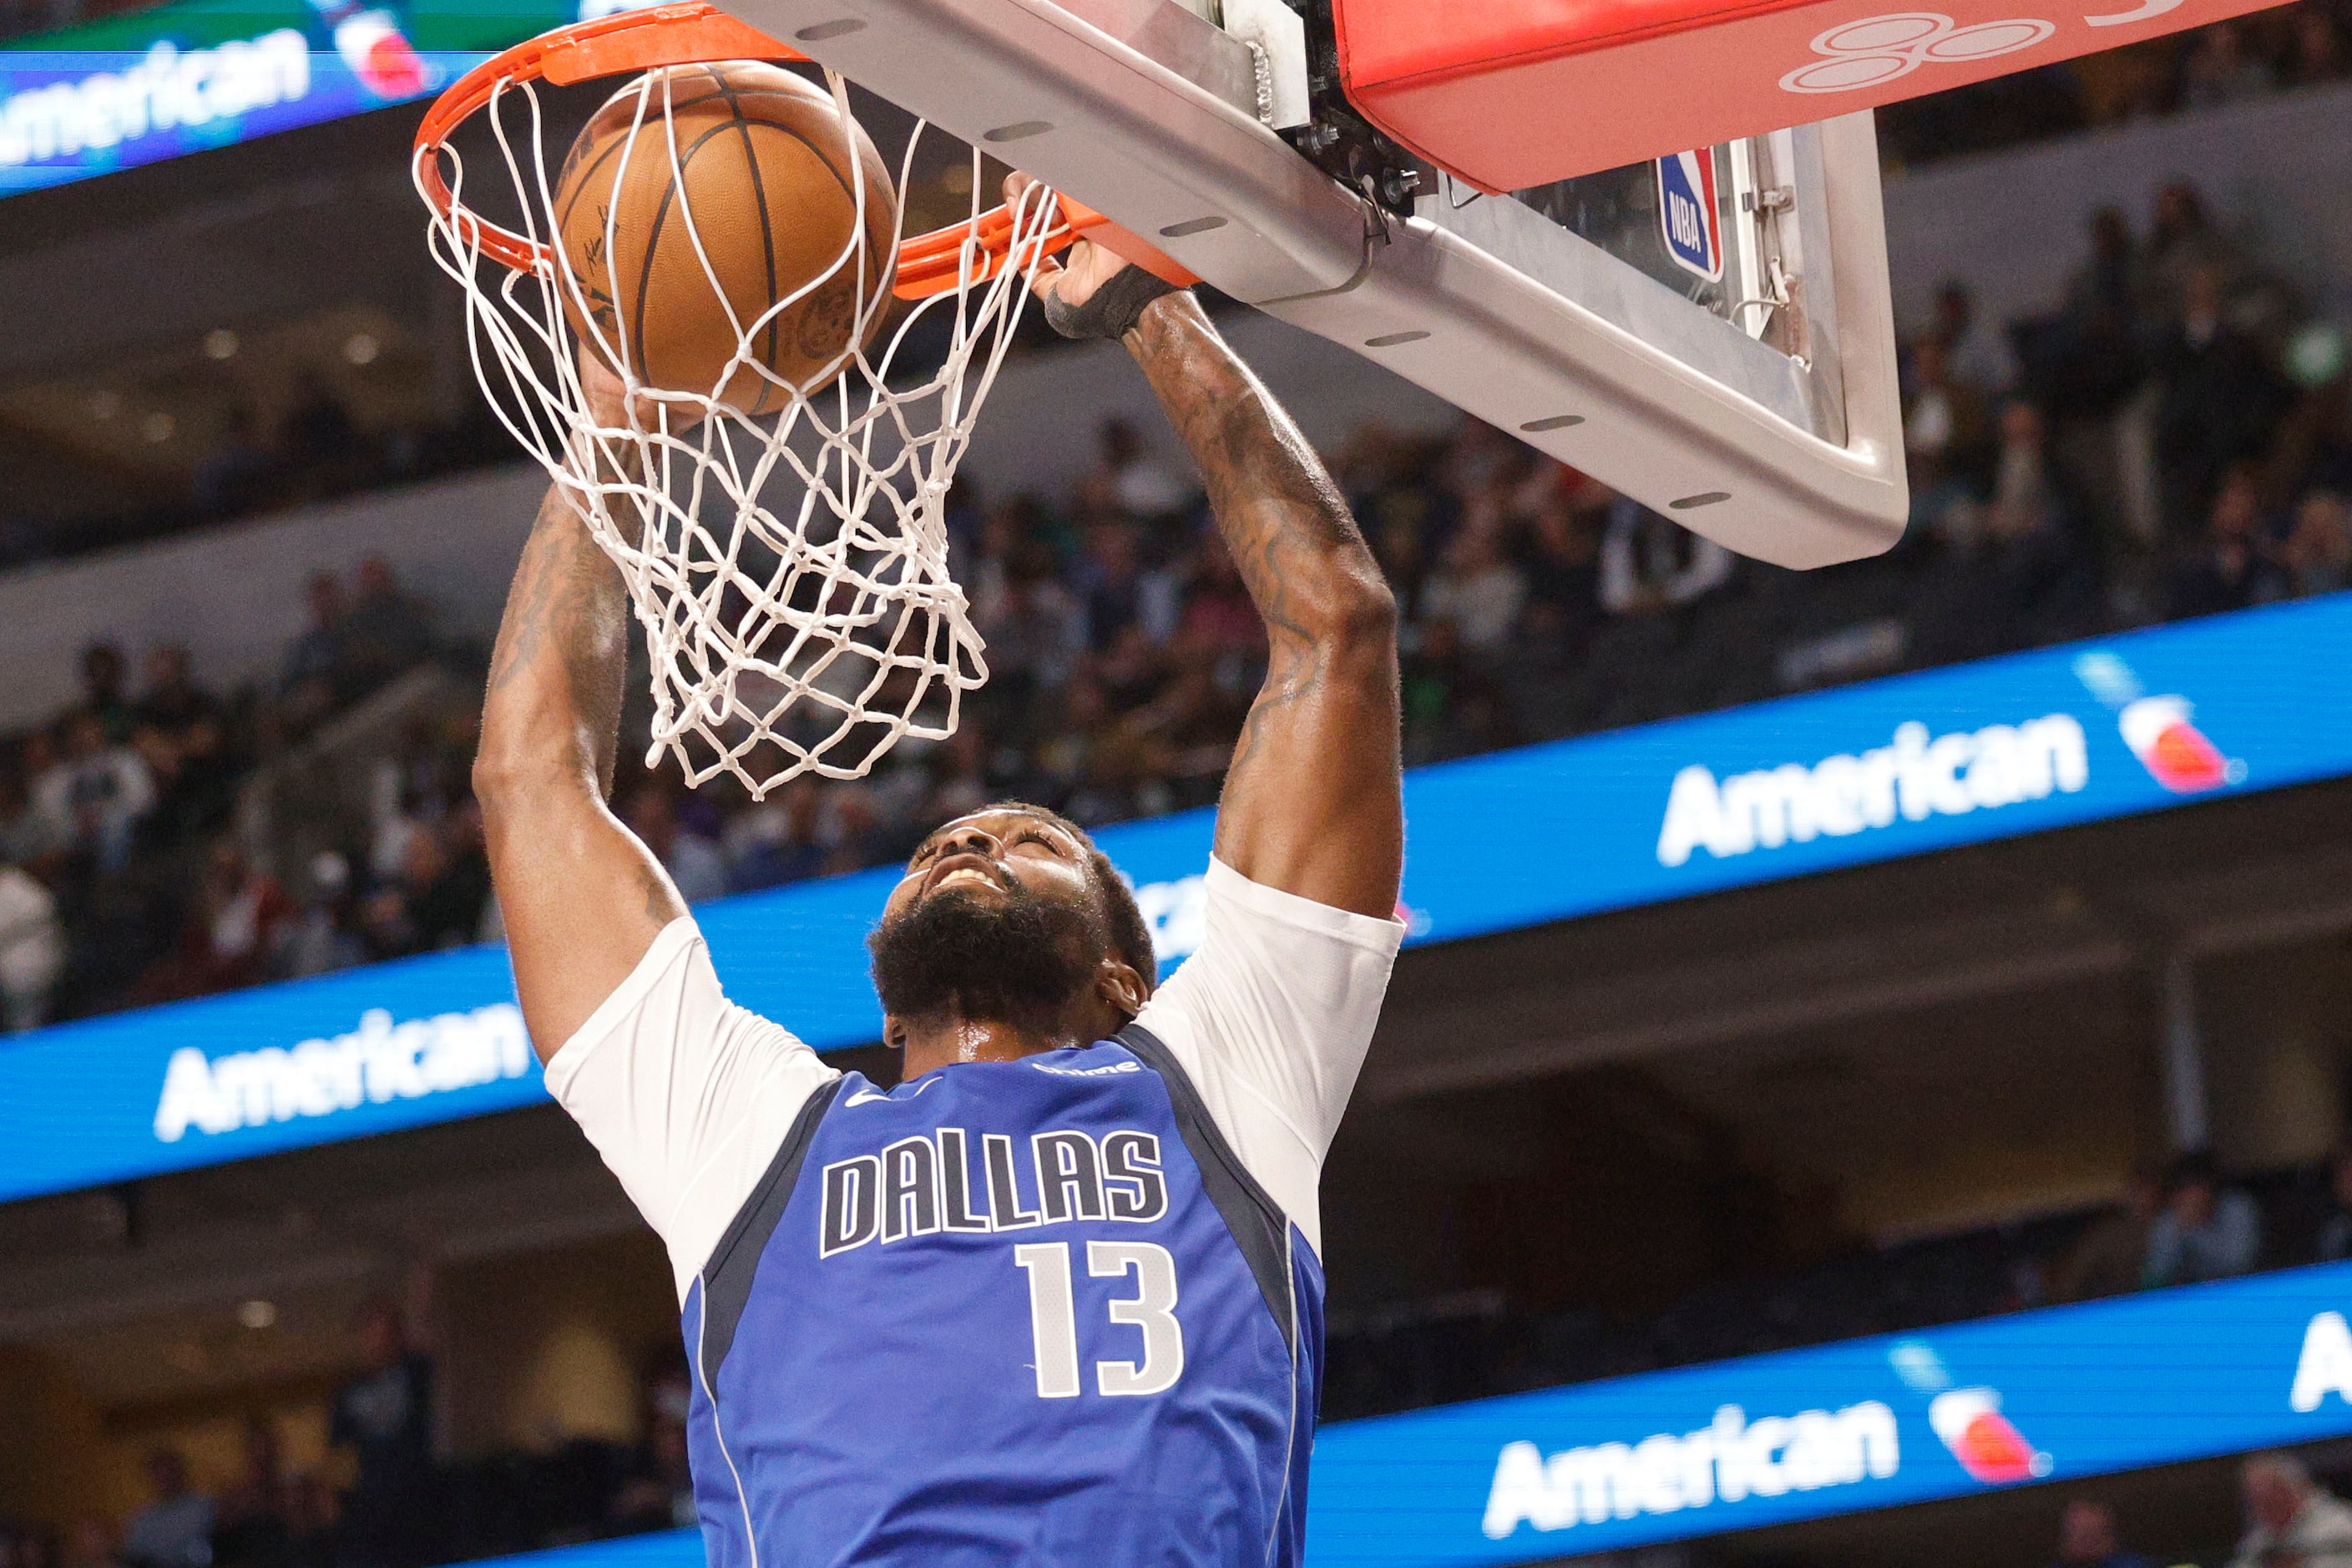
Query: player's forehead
point(998, 820)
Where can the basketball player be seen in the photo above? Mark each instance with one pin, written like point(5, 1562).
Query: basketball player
point(1055, 1298)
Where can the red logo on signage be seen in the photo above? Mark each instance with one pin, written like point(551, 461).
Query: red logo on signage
point(1988, 1446)
point(2175, 751)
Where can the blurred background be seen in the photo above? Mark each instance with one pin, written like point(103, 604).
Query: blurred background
point(1655, 1091)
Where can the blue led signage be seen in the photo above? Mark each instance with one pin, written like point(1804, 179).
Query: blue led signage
point(2054, 1396)
point(2040, 1397)
point(1897, 767)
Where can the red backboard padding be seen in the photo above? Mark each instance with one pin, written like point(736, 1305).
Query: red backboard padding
point(1504, 94)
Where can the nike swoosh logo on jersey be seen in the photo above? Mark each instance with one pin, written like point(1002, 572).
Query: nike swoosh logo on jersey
point(868, 1096)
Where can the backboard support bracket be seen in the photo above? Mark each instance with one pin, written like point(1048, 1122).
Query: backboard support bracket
point(1149, 112)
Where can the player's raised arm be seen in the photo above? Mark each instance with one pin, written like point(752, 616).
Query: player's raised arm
point(1311, 805)
point(581, 898)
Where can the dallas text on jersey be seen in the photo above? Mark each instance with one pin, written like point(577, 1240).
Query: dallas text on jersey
point(919, 1186)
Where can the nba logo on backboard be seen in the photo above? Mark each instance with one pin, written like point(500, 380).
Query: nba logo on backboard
point(1686, 212)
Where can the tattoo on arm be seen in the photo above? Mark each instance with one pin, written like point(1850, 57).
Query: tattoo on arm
point(567, 617)
point(583, 898)
point(1289, 530)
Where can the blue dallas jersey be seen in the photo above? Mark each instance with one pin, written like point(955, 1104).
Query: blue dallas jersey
point(1030, 1312)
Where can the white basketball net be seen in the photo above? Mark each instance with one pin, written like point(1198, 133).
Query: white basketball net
point(791, 571)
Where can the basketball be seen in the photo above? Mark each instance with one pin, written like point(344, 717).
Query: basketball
point(676, 258)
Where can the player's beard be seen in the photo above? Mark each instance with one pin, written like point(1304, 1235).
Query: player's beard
point(1017, 959)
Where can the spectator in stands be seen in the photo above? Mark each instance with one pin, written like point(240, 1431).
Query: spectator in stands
point(779, 840)
point(2318, 555)
point(308, 1504)
point(2221, 70)
point(2207, 1230)
point(1453, 703)
point(2318, 54)
point(23, 839)
point(1974, 358)
point(32, 950)
point(383, 1418)
point(175, 1530)
point(1476, 588)
point(2030, 521)
point(2182, 242)
point(2227, 569)
point(1945, 435)
point(1563, 565)
point(1479, 460)
point(321, 443)
point(1217, 622)
point(1177, 743)
point(2106, 294)
point(2109, 1257)
point(101, 691)
point(27, 1546)
point(1116, 591)
point(323, 935)
point(435, 896)
point(2334, 1240)
point(388, 631)
point(1127, 480)
point(2220, 399)
point(238, 476)
point(2088, 1538)
point(2292, 1522)
point(95, 794)
point(658, 1490)
point(448, 908)
point(313, 661)
point(693, 862)
point(956, 771)
point(249, 1522)
point(1035, 631)
point(1649, 565)
point(414, 791)
point(2082, 363)
point(33, 834)
point(179, 731)
point(232, 932)
point(853, 829)
point(90, 1543)
point(1391, 481)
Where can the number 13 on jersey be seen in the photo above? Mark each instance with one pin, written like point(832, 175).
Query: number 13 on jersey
point(1053, 1317)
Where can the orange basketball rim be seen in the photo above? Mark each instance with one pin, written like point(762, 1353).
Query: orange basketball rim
point(696, 33)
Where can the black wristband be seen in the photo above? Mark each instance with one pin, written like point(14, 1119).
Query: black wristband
point(1112, 311)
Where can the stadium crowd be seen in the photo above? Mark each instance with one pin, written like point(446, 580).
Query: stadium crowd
point(382, 1499)
point(2175, 441)
point(2291, 1516)
point(2250, 57)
